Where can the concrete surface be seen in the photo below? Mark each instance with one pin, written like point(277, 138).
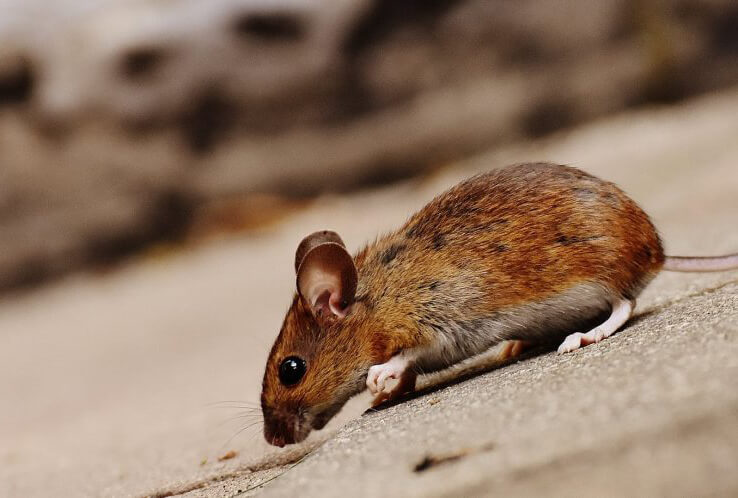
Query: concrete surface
point(108, 379)
point(652, 413)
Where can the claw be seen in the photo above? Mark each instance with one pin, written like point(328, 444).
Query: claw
point(398, 367)
point(621, 311)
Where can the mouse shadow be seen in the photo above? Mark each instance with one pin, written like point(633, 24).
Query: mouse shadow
point(485, 363)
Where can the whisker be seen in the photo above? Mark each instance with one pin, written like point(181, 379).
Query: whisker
point(249, 417)
point(239, 431)
point(238, 407)
point(234, 402)
point(252, 438)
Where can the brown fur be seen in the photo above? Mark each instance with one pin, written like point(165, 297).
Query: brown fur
point(492, 243)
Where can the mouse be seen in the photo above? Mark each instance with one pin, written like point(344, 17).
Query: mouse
point(529, 254)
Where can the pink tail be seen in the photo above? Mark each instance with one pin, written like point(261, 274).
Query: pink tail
point(716, 263)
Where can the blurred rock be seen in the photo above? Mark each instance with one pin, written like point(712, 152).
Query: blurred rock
point(119, 120)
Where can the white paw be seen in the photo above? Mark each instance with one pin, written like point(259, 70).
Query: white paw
point(571, 343)
point(598, 334)
point(378, 374)
point(621, 311)
point(578, 340)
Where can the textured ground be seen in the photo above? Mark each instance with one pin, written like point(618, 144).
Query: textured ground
point(107, 379)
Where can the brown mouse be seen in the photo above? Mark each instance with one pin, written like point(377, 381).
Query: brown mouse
point(531, 253)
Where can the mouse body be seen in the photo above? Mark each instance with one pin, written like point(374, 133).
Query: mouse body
point(533, 253)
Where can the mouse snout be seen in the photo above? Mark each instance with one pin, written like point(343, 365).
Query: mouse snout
point(275, 439)
point(281, 429)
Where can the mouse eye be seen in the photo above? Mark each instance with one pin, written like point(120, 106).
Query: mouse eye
point(292, 370)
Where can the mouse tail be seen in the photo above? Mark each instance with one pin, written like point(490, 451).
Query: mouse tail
point(697, 264)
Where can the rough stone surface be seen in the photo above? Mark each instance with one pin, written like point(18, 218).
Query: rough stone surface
point(654, 412)
point(107, 379)
point(119, 120)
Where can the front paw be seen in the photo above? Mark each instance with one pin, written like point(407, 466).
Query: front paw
point(397, 368)
point(376, 380)
point(405, 385)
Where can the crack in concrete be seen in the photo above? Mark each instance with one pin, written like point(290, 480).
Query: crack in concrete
point(288, 460)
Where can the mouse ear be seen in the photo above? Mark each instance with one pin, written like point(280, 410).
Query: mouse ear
point(326, 274)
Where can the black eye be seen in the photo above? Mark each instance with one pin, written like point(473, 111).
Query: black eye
point(291, 370)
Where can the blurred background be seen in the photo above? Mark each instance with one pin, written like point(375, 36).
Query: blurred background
point(126, 123)
point(160, 159)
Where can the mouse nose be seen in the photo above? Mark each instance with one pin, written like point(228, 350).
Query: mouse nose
point(277, 441)
point(279, 432)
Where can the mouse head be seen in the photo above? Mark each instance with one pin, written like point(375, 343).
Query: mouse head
point(317, 362)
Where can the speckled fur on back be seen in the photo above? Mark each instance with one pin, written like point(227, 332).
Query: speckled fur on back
point(531, 251)
point(518, 236)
